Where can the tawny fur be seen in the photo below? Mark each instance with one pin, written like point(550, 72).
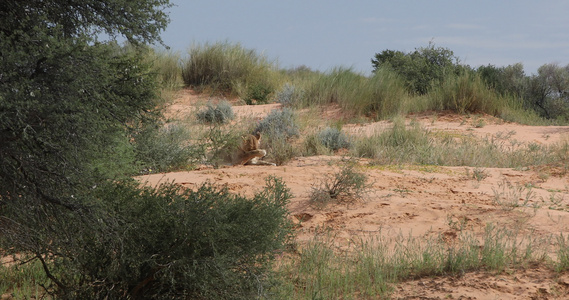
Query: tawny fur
point(248, 153)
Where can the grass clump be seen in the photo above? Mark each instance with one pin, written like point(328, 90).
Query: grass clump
point(229, 68)
point(347, 184)
point(221, 113)
point(411, 144)
point(467, 93)
point(167, 65)
point(379, 96)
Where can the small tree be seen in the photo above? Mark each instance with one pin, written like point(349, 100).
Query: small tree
point(421, 68)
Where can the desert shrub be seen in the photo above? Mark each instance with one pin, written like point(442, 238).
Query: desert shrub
point(333, 138)
point(312, 145)
point(258, 94)
point(347, 184)
point(228, 68)
point(169, 242)
point(160, 148)
point(289, 95)
point(279, 123)
point(280, 149)
point(220, 113)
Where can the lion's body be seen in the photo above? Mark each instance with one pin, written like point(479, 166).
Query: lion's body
point(249, 152)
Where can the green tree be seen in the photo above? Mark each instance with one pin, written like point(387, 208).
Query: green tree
point(66, 103)
point(421, 68)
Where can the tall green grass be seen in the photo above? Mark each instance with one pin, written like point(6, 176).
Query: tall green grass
point(166, 64)
point(23, 281)
point(228, 68)
point(379, 96)
point(466, 93)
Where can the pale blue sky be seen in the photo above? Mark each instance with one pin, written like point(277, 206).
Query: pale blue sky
point(326, 34)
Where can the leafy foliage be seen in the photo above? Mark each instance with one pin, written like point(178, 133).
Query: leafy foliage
point(258, 94)
point(421, 68)
point(546, 93)
point(169, 242)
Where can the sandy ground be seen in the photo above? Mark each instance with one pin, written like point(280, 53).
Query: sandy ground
point(418, 201)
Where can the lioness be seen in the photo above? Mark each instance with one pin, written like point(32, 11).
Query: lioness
point(248, 153)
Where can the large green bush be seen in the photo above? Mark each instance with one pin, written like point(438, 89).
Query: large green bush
point(545, 93)
point(421, 68)
point(170, 243)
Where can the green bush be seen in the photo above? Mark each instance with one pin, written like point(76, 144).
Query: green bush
point(334, 139)
point(219, 114)
point(171, 242)
point(420, 69)
point(258, 94)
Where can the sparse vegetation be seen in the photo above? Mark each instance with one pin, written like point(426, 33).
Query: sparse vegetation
point(348, 184)
point(370, 267)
